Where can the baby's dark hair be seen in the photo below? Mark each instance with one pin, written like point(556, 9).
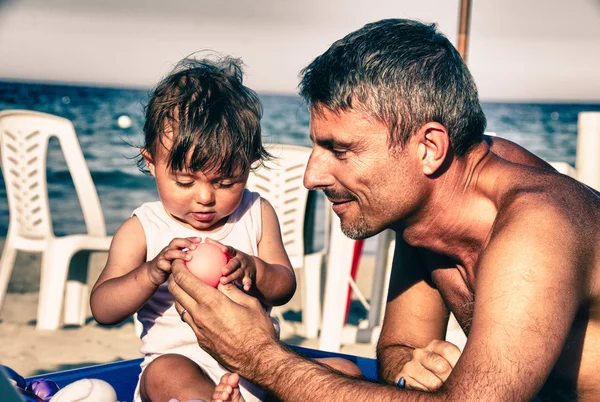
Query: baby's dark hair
point(214, 119)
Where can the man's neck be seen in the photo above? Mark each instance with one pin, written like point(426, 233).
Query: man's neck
point(456, 219)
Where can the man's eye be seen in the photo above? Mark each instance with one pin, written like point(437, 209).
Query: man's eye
point(338, 153)
point(184, 185)
point(224, 184)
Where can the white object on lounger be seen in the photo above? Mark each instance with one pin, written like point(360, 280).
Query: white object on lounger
point(86, 390)
point(24, 137)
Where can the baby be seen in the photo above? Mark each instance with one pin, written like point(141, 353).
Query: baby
point(202, 138)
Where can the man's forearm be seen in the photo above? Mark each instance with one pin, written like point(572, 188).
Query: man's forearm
point(392, 359)
point(291, 377)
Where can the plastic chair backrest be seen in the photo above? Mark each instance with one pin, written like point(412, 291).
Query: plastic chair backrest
point(280, 181)
point(24, 137)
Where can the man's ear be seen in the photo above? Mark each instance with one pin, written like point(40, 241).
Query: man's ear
point(149, 161)
point(433, 146)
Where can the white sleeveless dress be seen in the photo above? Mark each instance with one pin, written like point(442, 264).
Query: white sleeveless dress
point(163, 331)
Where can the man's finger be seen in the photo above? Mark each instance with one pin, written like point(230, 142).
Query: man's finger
point(186, 316)
point(234, 293)
point(447, 350)
point(183, 301)
point(418, 377)
point(411, 383)
point(437, 365)
point(200, 292)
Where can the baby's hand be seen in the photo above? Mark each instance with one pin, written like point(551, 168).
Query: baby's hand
point(240, 268)
point(160, 266)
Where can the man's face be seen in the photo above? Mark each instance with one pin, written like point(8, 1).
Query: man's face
point(368, 184)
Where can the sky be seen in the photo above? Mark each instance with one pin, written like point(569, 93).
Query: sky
point(519, 50)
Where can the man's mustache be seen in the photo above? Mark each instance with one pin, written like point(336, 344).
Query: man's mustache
point(338, 195)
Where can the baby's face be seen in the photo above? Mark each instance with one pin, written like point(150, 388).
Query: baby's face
point(198, 200)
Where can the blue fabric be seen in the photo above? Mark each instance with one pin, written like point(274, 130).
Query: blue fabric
point(123, 375)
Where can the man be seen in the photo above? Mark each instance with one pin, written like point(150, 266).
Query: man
point(506, 245)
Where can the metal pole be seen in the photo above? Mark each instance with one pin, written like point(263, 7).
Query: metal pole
point(463, 28)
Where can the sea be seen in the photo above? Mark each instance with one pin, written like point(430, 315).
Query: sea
point(109, 123)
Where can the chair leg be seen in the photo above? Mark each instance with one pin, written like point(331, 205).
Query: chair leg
point(7, 263)
point(311, 295)
point(339, 265)
point(76, 294)
point(55, 266)
point(76, 290)
point(137, 326)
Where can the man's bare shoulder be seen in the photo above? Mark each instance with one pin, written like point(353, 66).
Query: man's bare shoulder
point(524, 190)
point(536, 204)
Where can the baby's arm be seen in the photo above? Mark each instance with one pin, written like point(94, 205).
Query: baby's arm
point(268, 276)
point(128, 281)
point(275, 279)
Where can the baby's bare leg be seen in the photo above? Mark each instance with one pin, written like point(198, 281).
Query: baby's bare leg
point(175, 376)
point(228, 389)
point(343, 365)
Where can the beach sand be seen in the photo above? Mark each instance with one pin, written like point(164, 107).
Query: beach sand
point(31, 352)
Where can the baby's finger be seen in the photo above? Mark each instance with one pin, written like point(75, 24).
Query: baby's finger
point(247, 282)
point(232, 277)
point(231, 266)
point(230, 251)
point(172, 254)
point(163, 265)
point(180, 243)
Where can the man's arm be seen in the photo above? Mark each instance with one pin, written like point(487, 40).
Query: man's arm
point(520, 324)
point(233, 327)
point(528, 291)
point(415, 313)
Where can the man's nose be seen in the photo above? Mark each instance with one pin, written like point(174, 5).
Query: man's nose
point(317, 175)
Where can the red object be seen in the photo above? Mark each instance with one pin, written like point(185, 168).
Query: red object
point(358, 247)
point(206, 263)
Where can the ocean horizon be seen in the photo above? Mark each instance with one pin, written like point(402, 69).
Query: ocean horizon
point(109, 123)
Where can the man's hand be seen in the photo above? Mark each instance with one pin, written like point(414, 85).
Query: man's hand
point(430, 366)
point(230, 325)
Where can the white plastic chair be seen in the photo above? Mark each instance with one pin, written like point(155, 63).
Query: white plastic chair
point(280, 181)
point(24, 139)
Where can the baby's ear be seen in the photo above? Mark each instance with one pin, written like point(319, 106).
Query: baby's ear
point(149, 160)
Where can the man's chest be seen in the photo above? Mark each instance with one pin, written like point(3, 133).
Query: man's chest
point(458, 293)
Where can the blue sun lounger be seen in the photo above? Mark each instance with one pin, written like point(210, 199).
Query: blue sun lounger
point(123, 375)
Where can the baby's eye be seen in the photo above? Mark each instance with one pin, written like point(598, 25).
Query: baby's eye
point(224, 184)
point(184, 184)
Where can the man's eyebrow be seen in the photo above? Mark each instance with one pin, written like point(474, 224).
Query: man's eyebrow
point(329, 142)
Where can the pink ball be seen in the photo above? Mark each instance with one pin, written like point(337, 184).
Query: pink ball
point(206, 263)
